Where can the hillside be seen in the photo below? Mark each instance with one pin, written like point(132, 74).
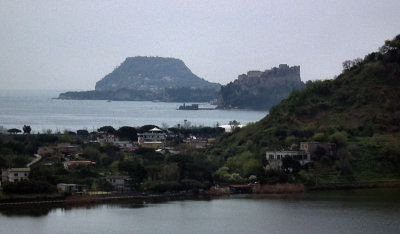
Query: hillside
point(144, 73)
point(359, 111)
point(147, 79)
point(260, 90)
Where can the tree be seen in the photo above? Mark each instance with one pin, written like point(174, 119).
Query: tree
point(127, 132)
point(253, 167)
point(339, 138)
point(182, 160)
point(347, 65)
point(3, 163)
point(319, 152)
point(19, 161)
point(290, 164)
point(107, 129)
point(82, 132)
point(136, 171)
point(27, 129)
point(234, 124)
point(13, 131)
point(391, 45)
point(146, 128)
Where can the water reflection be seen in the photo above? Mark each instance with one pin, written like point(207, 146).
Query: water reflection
point(26, 211)
point(364, 199)
point(351, 211)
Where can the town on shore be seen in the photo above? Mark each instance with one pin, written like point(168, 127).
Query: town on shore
point(131, 160)
point(332, 134)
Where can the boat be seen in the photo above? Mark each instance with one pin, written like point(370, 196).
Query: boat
point(191, 107)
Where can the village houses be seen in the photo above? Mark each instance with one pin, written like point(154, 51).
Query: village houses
point(15, 174)
point(154, 138)
point(306, 154)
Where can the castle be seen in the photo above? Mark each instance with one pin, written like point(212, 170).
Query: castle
point(274, 76)
point(261, 89)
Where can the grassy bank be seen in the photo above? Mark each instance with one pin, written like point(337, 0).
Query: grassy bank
point(12, 198)
point(355, 185)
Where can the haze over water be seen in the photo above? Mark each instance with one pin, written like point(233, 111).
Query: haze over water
point(40, 111)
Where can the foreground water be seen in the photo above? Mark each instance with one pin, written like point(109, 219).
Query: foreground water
point(352, 211)
point(40, 111)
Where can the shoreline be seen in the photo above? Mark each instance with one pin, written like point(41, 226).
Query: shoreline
point(354, 185)
point(88, 199)
point(262, 189)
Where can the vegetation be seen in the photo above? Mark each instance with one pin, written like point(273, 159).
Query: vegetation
point(148, 170)
point(28, 187)
point(150, 78)
point(358, 111)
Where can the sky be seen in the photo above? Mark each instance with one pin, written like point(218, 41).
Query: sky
point(70, 45)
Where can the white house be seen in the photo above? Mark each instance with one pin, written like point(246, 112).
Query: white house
point(118, 182)
point(229, 128)
point(15, 174)
point(154, 138)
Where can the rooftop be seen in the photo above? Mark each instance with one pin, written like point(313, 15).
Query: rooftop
point(19, 169)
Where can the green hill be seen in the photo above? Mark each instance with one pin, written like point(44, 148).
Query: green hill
point(359, 111)
point(150, 78)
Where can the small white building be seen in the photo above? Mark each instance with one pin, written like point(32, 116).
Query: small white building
point(229, 128)
point(302, 156)
point(15, 174)
point(71, 188)
point(107, 139)
point(154, 138)
point(118, 182)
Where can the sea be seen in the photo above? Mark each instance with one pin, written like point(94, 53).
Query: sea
point(42, 111)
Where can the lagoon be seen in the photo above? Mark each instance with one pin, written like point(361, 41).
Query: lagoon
point(347, 211)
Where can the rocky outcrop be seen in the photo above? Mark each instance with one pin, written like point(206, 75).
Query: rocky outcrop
point(261, 90)
point(151, 73)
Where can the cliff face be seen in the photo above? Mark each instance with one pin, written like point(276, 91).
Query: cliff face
point(261, 90)
point(151, 73)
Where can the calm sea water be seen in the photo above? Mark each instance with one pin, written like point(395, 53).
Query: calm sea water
point(40, 111)
point(354, 211)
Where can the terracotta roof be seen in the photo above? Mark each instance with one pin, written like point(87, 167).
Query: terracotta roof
point(117, 177)
point(80, 162)
point(19, 169)
point(239, 185)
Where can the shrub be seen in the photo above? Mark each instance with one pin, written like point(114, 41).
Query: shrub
point(28, 187)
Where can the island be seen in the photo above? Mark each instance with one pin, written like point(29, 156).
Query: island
point(147, 79)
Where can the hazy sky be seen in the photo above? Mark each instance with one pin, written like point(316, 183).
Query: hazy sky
point(73, 44)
